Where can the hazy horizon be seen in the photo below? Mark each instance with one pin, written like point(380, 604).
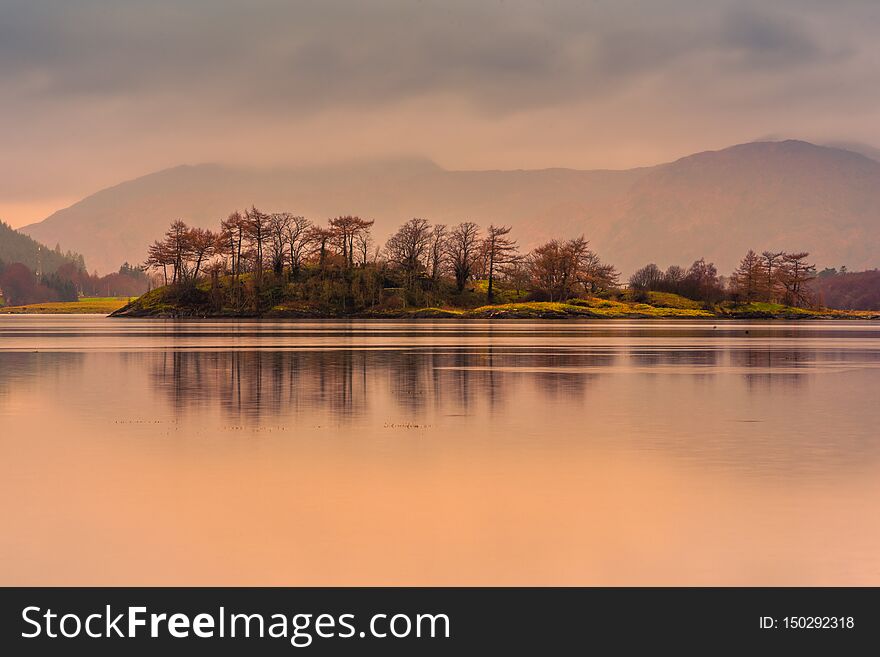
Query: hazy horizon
point(505, 85)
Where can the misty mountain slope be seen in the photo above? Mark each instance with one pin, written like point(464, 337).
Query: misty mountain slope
point(717, 204)
point(784, 195)
point(117, 224)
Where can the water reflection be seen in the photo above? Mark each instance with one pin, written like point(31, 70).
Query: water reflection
point(255, 384)
point(445, 453)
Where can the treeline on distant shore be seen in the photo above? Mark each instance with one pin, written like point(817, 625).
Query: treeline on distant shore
point(839, 288)
point(33, 273)
point(255, 260)
point(18, 247)
point(773, 276)
point(20, 285)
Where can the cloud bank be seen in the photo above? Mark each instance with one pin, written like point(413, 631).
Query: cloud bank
point(95, 91)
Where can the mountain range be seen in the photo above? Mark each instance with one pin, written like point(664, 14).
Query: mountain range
point(790, 195)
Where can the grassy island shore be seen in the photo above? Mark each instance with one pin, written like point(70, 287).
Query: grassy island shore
point(200, 302)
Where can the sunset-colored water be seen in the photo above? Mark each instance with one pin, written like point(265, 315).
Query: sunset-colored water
point(146, 452)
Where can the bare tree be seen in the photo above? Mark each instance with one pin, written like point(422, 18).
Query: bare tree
point(299, 238)
point(408, 247)
point(673, 278)
point(437, 253)
point(363, 243)
point(278, 226)
point(648, 277)
point(462, 250)
point(772, 261)
point(794, 274)
point(232, 237)
point(257, 233)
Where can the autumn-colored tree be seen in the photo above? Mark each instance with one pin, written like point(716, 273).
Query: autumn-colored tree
point(546, 265)
point(702, 283)
point(499, 250)
point(321, 238)
point(588, 273)
point(794, 275)
point(185, 250)
point(159, 256)
point(748, 278)
point(202, 247)
point(560, 269)
point(345, 231)
point(21, 286)
point(179, 246)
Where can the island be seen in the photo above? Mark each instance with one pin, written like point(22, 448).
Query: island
point(281, 265)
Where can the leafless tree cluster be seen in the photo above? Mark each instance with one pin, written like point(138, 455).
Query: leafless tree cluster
point(256, 242)
point(428, 261)
point(560, 270)
point(700, 281)
point(557, 269)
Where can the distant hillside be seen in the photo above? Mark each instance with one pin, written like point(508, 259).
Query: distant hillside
point(777, 195)
point(17, 247)
point(848, 290)
point(781, 195)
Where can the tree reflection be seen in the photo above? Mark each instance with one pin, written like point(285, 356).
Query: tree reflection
point(344, 383)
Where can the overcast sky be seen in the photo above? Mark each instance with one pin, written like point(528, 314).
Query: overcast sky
point(98, 91)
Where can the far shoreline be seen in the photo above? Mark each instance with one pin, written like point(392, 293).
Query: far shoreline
point(532, 311)
point(661, 307)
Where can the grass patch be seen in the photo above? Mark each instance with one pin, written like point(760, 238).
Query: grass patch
point(438, 313)
point(660, 299)
point(85, 305)
point(765, 310)
point(584, 308)
point(503, 295)
point(530, 309)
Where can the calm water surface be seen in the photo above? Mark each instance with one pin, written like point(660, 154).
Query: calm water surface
point(292, 453)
